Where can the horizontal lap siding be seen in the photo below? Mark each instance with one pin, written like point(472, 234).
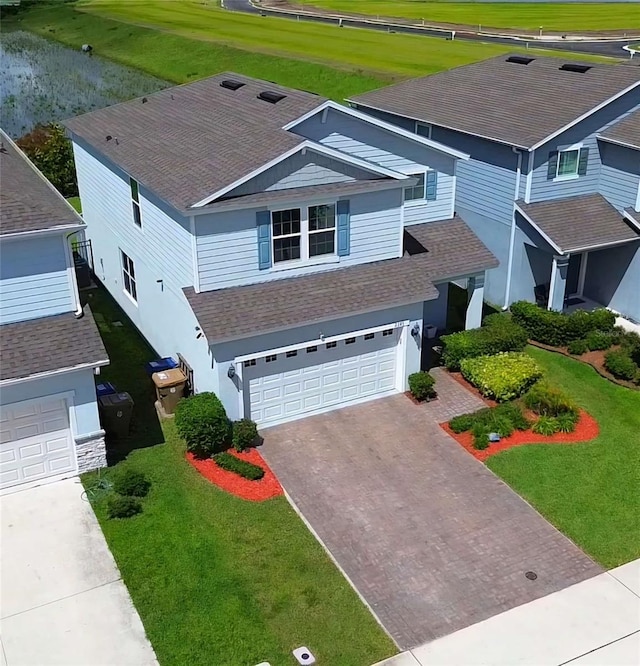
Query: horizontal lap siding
point(620, 175)
point(429, 211)
point(228, 251)
point(34, 281)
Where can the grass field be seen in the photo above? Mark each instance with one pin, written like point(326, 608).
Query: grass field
point(216, 579)
point(529, 16)
point(589, 491)
point(186, 40)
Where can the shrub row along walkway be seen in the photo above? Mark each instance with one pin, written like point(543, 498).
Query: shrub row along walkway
point(430, 538)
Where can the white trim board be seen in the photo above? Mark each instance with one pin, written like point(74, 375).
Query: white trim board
point(53, 373)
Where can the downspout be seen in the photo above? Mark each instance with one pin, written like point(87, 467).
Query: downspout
point(72, 269)
point(512, 237)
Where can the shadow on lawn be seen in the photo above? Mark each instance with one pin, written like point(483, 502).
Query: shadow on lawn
point(128, 353)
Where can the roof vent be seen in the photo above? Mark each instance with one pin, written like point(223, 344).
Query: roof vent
point(270, 96)
point(520, 60)
point(231, 84)
point(571, 67)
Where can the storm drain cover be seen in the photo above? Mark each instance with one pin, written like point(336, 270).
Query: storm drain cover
point(531, 575)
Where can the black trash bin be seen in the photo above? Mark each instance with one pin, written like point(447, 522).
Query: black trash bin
point(116, 410)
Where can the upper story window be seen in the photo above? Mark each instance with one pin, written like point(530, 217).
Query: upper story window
point(568, 163)
point(417, 191)
point(423, 129)
point(135, 201)
point(129, 276)
point(303, 233)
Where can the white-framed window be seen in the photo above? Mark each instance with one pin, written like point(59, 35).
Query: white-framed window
point(129, 276)
point(423, 129)
point(417, 191)
point(135, 201)
point(568, 161)
point(300, 234)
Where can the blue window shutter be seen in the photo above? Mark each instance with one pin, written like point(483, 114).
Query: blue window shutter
point(263, 224)
point(583, 161)
point(344, 232)
point(552, 167)
point(432, 185)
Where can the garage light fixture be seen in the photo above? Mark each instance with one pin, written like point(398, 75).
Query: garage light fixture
point(415, 331)
point(231, 372)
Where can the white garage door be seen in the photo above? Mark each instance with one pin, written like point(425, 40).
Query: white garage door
point(321, 377)
point(35, 442)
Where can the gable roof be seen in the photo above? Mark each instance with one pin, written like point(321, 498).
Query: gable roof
point(28, 201)
point(522, 105)
point(187, 142)
point(626, 132)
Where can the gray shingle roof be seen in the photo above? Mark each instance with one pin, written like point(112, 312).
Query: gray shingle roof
point(625, 132)
point(517, 104)
point(187, 142)
point(28, 202)
point(577, 223)
point(48, 344)
point(242, 312)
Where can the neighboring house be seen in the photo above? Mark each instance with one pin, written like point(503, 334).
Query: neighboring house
point(290, 250)
point(50, 347)
point(552, 186)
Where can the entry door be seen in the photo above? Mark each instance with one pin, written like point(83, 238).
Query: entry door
point(283, 387)
point(35, 442)
point(573, 275)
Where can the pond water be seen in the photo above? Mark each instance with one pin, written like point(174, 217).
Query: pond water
point(43, 82)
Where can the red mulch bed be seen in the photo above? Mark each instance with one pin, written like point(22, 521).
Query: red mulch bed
point(255, 491)
point(586, 429)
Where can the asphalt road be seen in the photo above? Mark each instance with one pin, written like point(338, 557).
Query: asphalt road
point(598, 48)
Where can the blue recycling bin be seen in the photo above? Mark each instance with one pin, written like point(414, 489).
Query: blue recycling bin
point(160, 364)
point(105, 388)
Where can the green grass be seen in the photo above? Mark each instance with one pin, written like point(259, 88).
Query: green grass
point(530, 16)
point(75, 202)
point(186, 40)
point(216, 579)
point(590, 491)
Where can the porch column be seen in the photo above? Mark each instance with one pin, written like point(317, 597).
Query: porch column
point(475, 290)
point(558, 284)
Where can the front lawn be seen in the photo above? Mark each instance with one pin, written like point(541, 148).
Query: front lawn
point(590, 491)
point(216, 579)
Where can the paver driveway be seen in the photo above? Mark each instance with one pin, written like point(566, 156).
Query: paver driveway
point(430, 537)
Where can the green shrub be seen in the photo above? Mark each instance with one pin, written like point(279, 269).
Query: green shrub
point(631, 342)
point(421, 385)
point(501, 425)
point(131, 482)
point(546, 425)
point(480, 437)
point(498, 334)
point(462, 423)
point(245, 434)
point(620, 364)
point(548, 400)
point(119, 506)
point(557, 328)
point(597, 340)
point(513, 412)
point(242, 467)
point(202, 422)
point(566, 422)
point(578, 347)
point(502, 377)
point(618, 335)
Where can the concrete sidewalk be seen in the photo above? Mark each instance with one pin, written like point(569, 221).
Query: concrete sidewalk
point(62, 600)
point(593, 623)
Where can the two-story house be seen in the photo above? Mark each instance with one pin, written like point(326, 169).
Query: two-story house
point(292, 251)
point(50, 347)
point(552, 186)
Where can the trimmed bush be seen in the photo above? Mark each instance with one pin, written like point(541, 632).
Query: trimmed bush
point(501, 377)
point(631, 342)
point(578, 347)
point(513, 412)
point(503, 419)
point(202, 422)
point(242, 467)
point(119, 506)
point(499, 333)
point(480, 437)
point(566, 422)
point(421, 385)
point(597, 341)
point(132, 483)
point(620, 364)
point(245, 434)
point(546, 425)
point(462, 423)
point(548, 400)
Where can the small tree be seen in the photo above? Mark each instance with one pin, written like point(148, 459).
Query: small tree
point(50, 150)
point(202, 422)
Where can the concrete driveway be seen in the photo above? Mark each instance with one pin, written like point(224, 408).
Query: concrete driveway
point(62, 600)
point(432, 540)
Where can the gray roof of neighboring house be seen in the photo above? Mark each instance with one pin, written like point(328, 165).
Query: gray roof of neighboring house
point(187, 142)
point(255, 309)
point(48, 344)
point(28, 202)
point(578, 223)
point(517, 104)
point(626, 132)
